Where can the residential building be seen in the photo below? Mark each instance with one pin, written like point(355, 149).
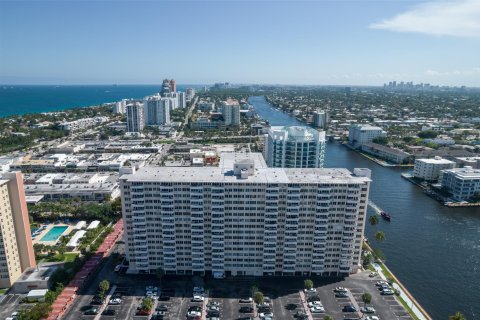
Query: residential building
point(190, 93)
point(16, 249)
point(168, 86)
point(206, 106)
point(156, 110)
point(359, 134)
point(389, 154)
point(135, 121)
point(473, 162)
point(429, 169)
point(244, 218)
point(320, 119)
point(294, 147)
point(81, 124)
point(231, 112)
point(462, 183)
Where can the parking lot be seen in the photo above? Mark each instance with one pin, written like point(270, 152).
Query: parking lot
point(286, 297)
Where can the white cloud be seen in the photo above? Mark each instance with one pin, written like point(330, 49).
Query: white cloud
point(459, 18)
point(469, 72)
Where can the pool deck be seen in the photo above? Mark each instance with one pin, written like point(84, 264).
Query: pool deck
point(47, 229)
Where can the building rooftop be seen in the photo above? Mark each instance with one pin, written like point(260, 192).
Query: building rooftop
point(436, 160)
point(465, 172)
point(262, 174)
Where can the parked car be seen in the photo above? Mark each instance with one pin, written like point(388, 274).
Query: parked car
point(246, 310)
point(194, 313)
point(142, 312)
point(91, 312)
point(109, 312)
point(213, 313)
point(311, 290)
point(245, 318)
point(340, 289)
point(368, 309)
point(195, 308)
point(115, 301)
point(314, 304)
point(373, 274)
point(161, 307)
point(317, 309)
point(264, 309)
point(379, 283)
point(291, 306)
point(387, 292)
point(213, 303)
point(246, 300)
point(198, 299)
point(372, 318)
point(265, 315)
point(349, 308)
point(341, 294)
point(211, 308)
point(313, 298)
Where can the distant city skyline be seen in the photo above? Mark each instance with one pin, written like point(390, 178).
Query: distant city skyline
point(261, 42)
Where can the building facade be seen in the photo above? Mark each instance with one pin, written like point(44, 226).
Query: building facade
point(294, 147)
point(390, 154)
point(429, 169)
point(243, 218)
point(156, 110)
point(16, 249)
point(135, 121)
point(360, 134)
point(320, 119)
point(462, 183)
point(231, 112)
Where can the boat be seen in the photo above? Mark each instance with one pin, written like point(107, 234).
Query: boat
point(386, 216)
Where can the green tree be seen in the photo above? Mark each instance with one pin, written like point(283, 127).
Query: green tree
point(327, 317)
point(366, 298)
point(258, 297)
point(381, 140)
point(457, 316)
point(308, 284)
point(103, 287)
point(380, 236)
point(147, 304)
point(253, 289)
point(427, 134)
point(373, 219)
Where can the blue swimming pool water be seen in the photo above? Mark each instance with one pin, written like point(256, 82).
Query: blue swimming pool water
point(54, 233)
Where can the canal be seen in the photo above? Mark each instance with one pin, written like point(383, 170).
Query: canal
point(432, 249)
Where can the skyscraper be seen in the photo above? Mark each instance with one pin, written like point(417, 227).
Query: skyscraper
point(135, 121)
point(320, 119)
point(231, 112)
point(16, 249)
point(243, 218)
point(156, 110)
point(294, 147)
point(173, 85)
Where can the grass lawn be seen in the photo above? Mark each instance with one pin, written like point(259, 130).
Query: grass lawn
point(3, 291)
point(67, 257)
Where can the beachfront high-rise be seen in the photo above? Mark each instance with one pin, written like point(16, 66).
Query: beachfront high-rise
point(156, 110)
point(294, 147)
point(231, 112)
point(135, 121)
point(16, 249)
point(244, 218)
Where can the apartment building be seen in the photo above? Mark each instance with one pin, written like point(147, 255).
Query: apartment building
point(135, 114)
point(82, 124)
point(244, 218)
point(321, 119)
point(16, 249)
point(429, 169)
point(156, 110)
point(294, 147)
point(360, 134)
point(231, 112)
point(462, 183)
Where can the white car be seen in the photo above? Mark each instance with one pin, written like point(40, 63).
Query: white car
point(117, 267)
point(381, 282)
point(373, 274)
point(311, 290)
point(266, 315)
point(194, 314)
point(317, 309)
point(368, 310)
point(213, 308)
point(198, 299)
point(340, 289)
point(198, 290)
point(315, 304)
point(115, 301)
point(372, 318)
point(387, 292)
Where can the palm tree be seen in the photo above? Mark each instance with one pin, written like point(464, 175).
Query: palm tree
point(373, 219)
point(380, 235)
point(457, 316)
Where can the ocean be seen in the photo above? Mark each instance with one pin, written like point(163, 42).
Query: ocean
point(22, 99)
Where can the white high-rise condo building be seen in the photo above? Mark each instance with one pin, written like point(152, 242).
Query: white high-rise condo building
point(156, 110)
point(320, 119)
point(16, 249)
point(294, 147)
point(359, 134)
point(231, 112)
point(135, 120)
point(243, 218)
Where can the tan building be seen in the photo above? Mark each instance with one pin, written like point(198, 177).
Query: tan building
point(16, 249)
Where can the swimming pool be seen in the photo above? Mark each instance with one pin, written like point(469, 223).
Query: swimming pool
point(54, 233)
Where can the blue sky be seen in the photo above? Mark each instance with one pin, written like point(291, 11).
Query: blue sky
point(276, 42)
